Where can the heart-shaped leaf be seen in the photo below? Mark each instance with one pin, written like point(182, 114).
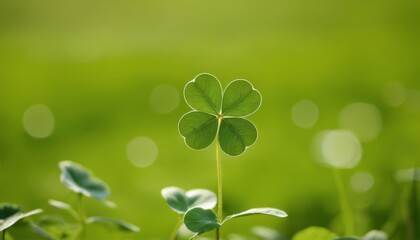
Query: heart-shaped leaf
point(198, 129)
point(253, 211)
point(240, 99)
point(9, 221)
point(314, 233)
point(204, 93)
point(236, 134)
point(201, 220)
point(181, 201)
point(113, 224)
point(79, 180)
point(375, 235)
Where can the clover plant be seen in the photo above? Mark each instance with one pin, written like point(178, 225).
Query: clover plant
point(219, 115)
point(80, 180)
point(11, 214)
point(181, 201)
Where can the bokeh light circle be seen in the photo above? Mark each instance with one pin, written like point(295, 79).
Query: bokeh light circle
point(362, 182)
point(338, 148)
point(38, 121)
point(363, 119)
point(305, 113)
point(164, 99)
point(394, 94)
point(142, 151)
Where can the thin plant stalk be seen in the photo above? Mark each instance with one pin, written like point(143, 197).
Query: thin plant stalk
point(219, 185)
point(174, 233)
point(346, 213)
point(82, 216)
point(3, 235)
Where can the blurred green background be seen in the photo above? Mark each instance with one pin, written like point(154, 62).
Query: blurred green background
point(98, 67)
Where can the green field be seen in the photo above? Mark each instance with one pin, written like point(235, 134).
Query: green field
point(97, 65)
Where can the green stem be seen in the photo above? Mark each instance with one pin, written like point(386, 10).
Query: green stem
point(82, 217)
point(4, 234)
point(219, 187)
point(176, 229)
point(346, 213)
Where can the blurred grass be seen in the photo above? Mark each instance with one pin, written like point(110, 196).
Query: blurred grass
point(94, 63)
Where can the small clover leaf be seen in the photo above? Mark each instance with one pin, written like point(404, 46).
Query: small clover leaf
point(181, 201)
point(219, 114)
point(10, 214)
point(254, 211)
point(8, 210)
point(199, 220)
point(79, 180)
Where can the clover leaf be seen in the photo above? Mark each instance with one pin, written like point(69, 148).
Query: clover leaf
point(79, 180)
point(10, 214)
point(181, 201)
point(201, 220)
point(221, 114)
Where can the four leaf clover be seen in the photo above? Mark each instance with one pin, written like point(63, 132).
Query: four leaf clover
point(221, 114)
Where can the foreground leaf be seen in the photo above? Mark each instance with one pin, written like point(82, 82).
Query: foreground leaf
point(8, 210)
point(8, 222)
point(79, 180)
point(114, 224)
point(204, 93)
point(240, 99)
point(201, 220)
point(314, 233)
point(236, 134)
point(198, 129)
point(181, 201)
point(375, 235)
point(254, 211)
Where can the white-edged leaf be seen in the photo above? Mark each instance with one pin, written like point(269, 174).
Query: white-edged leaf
point(8, 222)
point(80, 180)
point(254, 211)
point(375, 235)
point(181, 201)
